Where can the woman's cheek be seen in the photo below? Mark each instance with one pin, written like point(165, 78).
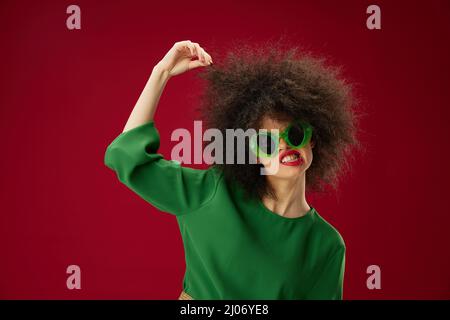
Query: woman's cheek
point(266, 161)
point(309, 158)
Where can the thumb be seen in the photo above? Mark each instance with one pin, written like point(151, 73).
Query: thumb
point(196, 63)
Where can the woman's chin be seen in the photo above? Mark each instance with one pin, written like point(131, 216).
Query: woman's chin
point(289, 172)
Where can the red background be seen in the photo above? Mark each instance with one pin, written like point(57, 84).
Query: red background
point(65, 95)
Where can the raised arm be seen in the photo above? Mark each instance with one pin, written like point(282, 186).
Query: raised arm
point(176, 61)
point(133, 155)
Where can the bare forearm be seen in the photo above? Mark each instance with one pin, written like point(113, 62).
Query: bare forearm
point(146, 105)
point(176, 61)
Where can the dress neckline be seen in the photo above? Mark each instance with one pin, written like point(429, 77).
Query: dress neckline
point(269, 212)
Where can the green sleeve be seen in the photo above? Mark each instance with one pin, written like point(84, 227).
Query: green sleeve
point(329, 285)
point(165, 184)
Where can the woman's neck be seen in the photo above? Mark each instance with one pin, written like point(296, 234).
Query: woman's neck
point(290, 193)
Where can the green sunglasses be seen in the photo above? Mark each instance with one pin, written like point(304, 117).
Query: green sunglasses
point(265, 143)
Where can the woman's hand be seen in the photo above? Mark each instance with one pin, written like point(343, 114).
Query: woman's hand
point(176, 61)
point(179, 58)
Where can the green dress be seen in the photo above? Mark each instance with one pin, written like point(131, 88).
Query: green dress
point(235, 248)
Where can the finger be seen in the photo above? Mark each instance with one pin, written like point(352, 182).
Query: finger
point(208, 57)
point(205, 57)
point(183, 45)
point(199, 52)
point(190, 46)
point(195, 50)
point(195, 64)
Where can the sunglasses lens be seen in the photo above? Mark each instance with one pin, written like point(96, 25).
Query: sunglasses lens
point(296, 134)
point(266, 144)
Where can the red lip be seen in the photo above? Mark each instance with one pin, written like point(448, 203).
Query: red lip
point(285, 153)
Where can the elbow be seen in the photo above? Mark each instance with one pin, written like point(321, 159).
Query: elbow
point(117, 160)
point(109, 156)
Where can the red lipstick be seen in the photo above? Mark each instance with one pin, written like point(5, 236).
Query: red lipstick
point(296, 162)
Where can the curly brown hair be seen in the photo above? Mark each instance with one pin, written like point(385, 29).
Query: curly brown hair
point(251, 82)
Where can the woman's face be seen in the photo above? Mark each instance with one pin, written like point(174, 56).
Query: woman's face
point(290, 162)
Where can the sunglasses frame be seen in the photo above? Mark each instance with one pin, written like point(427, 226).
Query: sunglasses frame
point(307, 129)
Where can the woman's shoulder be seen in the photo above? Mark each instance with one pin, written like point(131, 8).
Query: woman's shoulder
point(328, 232)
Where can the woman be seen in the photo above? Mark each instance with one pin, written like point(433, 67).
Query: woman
point(247, 235)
